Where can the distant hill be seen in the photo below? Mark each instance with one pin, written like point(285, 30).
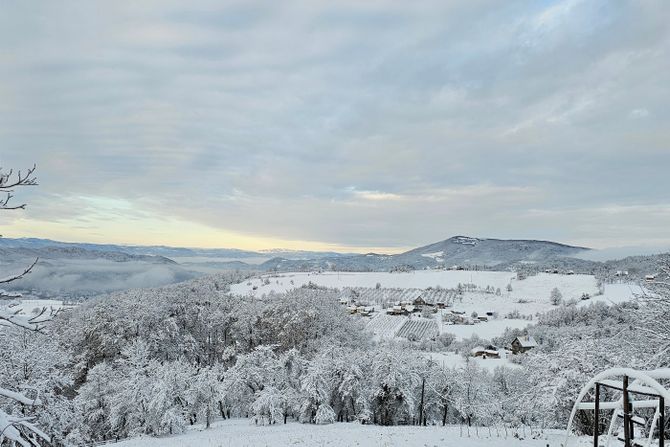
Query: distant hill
point(80, 270)
point(455, 251)
point(169, 252)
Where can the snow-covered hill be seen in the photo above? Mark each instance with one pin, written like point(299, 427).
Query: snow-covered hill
point(458, 250)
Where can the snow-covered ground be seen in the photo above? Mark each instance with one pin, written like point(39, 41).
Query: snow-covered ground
point(453, 359)
point(240, 433)
point(615, 293)
point(528, 296)
point(487, 330)
point(534, 288)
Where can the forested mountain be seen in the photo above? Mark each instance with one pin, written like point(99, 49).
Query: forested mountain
point(458, 250)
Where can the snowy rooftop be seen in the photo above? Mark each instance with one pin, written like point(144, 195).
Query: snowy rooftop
point(527, 342)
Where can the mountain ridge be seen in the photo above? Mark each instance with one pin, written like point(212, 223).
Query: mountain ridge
point(457, 250)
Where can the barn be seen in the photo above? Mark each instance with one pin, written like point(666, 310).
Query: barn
point(523, 344)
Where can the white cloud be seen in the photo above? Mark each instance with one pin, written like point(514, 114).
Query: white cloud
point(639, 113)
point(447, 117)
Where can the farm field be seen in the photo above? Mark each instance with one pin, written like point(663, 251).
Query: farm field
point(528, 296)
point(390, 326)
point(487, 330)
point(240, 433)
point(534, 288)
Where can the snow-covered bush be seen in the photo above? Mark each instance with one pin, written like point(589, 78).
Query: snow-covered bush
point(324, 415)
point(268, 408)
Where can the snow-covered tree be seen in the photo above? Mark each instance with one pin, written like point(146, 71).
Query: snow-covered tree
point(442, 384)
point(394, 384)
point(31, 361)
point(472, 393)
point(18, 428)
point(93, 403)
point(135, 372)
point(656, 316)
point(269, 406)
point(169, 396)
point(205, 394)
point(317, 389)
point(555, 297)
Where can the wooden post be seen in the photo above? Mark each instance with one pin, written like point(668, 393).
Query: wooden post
point(626, 414)
point(661, 422)
point(596, 416)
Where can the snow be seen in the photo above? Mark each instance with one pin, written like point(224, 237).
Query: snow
point(534, 288)
point(437, 256)
point(240, 433)
point(453, 359)
point(486, 330)
point(528, 296)
point(615, 294)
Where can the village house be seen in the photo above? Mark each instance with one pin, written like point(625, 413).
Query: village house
point(523, 344)
point(489, 352)
point(395, 310)
point(420, 301)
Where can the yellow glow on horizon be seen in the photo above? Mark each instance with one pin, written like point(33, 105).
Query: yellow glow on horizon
point(163, 231)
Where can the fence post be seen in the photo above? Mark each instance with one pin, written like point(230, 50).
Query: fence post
point(626, 414)
point(661, 422)
point(596, 416)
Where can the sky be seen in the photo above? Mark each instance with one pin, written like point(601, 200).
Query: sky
point(342, 125)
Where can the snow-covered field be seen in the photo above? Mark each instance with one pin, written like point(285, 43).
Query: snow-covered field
point(240, 433)
point(615, 293)
point(534, 288)
point(528, 296)
point(487, 330)
point(453, 359)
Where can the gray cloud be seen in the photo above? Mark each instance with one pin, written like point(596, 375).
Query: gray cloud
point(353, 123)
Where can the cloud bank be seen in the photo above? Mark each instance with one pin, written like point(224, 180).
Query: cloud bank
point(338, 124)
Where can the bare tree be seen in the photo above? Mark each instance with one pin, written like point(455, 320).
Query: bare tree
point(18, 429)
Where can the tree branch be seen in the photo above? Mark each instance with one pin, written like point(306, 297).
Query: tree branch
point(20, 275)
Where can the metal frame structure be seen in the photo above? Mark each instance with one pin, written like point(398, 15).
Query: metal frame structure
point(644, 383)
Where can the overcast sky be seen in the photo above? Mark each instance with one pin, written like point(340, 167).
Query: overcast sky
point(349, 125)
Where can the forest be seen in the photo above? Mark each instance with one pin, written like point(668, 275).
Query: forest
point(155, 361)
